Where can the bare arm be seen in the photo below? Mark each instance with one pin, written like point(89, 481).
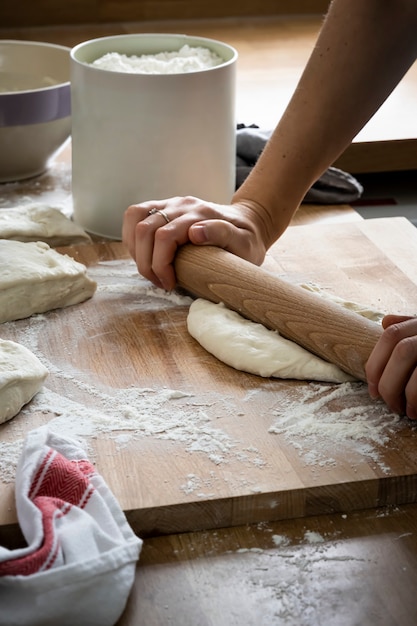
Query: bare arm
point(364, 49)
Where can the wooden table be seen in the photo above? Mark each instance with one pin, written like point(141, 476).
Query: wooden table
point(347, 567)
point(355, 562)
point(354, 569)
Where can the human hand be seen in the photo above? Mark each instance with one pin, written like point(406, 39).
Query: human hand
point(154, 230)
point(391, 369)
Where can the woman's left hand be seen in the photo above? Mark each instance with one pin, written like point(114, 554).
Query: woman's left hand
point(391, 369)
point(153, 231)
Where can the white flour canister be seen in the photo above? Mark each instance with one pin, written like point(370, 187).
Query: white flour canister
point(149, 136)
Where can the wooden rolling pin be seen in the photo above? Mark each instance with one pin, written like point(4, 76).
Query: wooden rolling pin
point(338, 335)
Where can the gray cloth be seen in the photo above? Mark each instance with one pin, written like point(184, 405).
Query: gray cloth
point(334, 187)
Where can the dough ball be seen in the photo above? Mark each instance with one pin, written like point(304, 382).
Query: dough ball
point(21, 377)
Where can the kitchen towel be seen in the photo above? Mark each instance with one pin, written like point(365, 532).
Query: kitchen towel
point(79, 563)
point(334, 187)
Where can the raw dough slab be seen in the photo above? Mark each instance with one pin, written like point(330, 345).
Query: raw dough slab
point(21, 377)
point(253, 348)
point(39, 222)
point(34, 278)
point(250, 347)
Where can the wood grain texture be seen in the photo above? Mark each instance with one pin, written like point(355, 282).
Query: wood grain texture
point(360, 565)
point(359, 568)
point(337, 335)
point(45, 12)
point(363, 569)
point(122, 341)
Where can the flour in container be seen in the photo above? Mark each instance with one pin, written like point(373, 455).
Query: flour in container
point(186, 59)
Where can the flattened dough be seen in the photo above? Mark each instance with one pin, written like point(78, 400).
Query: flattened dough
point(39, 222)
point(21, 377)
point(34, 278)
point(253, 348)
point(361, 309)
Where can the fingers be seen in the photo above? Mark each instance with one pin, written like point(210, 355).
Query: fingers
point(392, 367)
point(228, 236)
point(152, 240)
point(153, 231)
point(136, 214)
point(389, 320)
point(159, 262)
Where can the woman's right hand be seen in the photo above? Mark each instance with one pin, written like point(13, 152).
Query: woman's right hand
point(391, 369)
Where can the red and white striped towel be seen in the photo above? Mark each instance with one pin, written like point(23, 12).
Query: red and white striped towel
point(79, 563)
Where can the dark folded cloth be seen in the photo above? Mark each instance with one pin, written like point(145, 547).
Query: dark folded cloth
point(334, 187)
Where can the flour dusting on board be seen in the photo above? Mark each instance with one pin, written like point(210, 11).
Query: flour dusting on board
point(120, 276)
point(87, 409)
point(53, 188)
point(314, 423)
point(309, 420)
point(131, 414)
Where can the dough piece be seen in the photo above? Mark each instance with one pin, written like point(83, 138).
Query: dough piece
point(34, 278)
point(21, 377)
point(251, 347)
point(361, 309)
point(38, 222)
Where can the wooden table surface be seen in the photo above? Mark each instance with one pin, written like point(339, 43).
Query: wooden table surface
point(348, 567)
point(187, 443)
point(356, 567)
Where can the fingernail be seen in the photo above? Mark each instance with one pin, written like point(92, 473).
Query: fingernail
point(411, 412)
point(199, 233)
point(158, 283)
point(373, 391)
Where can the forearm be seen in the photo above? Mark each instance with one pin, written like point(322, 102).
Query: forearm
point(363, 50)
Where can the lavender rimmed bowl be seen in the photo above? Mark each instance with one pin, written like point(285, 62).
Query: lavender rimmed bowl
point(35, 106)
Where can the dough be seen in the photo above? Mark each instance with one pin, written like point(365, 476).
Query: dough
point(34, 278)
point(21, 377)
point(251, 347)
point(361, 309)
point(38, 222)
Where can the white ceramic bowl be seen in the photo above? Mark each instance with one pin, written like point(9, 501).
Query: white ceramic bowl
point(35, 106)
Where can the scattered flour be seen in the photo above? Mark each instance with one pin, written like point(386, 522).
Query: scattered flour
point(288, 578)
point(314, 424)
point(280, 540)
point(195, 483)
point(87, 409)
point(9, 453)
point(310, 419)
point(126, 415)
point(310, 536)
point(120, 276)
point(313, 537)
point(186, 59)
point(53, 188)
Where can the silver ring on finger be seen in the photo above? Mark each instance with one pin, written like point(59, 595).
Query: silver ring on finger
point(161, 212)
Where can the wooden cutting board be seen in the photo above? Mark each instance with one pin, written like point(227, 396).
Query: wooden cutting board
point(186, 442)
